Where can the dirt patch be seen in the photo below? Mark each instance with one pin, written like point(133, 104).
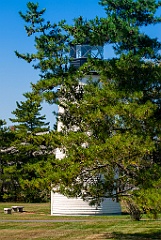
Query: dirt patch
point(26, 212)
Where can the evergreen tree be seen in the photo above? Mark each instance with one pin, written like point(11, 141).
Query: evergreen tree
point(121, 111)
point(115, 151)
point(52, 45)
point(28, 115)
point(33, 146)
point(7, 182)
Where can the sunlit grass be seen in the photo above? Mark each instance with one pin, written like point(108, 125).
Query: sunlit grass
point(37, 223)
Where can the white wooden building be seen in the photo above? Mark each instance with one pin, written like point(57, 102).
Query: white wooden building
point(61, 205)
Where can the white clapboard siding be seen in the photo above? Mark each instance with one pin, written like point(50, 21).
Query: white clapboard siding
point(62, 205)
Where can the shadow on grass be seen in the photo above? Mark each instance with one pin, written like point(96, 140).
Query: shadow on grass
point(134, 236)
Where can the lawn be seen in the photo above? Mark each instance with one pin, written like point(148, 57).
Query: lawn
point(36, 223)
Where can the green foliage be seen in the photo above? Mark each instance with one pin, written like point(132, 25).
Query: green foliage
point(33, 145)
point(52, 46)
point(111, 127)
point(148, 198)
point(7, 183)
point(117, 120)
point(28, 115)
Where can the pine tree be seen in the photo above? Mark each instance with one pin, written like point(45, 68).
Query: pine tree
point(115, 151)
point(28, 115)
point(6, 174)
point(33, 146)
point(52, 45)
point(121, 111)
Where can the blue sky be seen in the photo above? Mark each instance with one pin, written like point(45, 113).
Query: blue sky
point(15, 74)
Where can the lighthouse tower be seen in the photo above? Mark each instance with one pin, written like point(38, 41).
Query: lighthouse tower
point(60, 204)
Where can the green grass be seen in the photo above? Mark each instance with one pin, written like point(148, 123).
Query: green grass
point(72, 228)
